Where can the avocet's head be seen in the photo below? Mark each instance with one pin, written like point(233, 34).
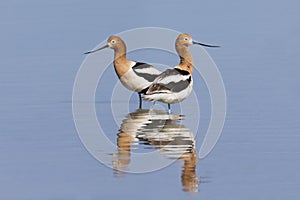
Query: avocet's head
point(186, 39)
point(113, 42)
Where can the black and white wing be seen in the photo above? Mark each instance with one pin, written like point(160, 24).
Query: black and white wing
point(146, 71)
point(170, 81)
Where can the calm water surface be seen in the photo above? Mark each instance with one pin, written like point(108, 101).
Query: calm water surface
point(257, 156)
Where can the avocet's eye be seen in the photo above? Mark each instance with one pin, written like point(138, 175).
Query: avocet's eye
point(113, 41)
point(186, 39)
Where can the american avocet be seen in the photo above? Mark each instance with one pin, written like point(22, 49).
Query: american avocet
point(135, 76)
point(174, 85)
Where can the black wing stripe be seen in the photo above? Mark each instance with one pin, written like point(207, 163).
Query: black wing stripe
point(172, 86)
point(178, 86)
point(182, 72)
point(141, 65)
point(146, 76)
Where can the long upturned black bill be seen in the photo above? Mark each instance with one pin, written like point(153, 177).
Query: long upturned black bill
point(206, 45)
point(96, 49)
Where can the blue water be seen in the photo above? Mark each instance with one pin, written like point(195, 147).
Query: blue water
point(42, 157)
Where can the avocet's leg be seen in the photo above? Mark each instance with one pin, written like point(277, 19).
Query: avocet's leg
point(140, 98)
point(152, 107)
point(169, 108)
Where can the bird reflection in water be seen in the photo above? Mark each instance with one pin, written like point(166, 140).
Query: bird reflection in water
point(162, 131)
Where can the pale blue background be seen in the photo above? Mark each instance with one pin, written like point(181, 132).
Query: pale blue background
point(258, 155)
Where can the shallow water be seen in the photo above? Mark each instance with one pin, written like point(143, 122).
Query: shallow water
point(42, 157)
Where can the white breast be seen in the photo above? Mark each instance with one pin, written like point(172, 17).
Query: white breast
point(133, 82)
